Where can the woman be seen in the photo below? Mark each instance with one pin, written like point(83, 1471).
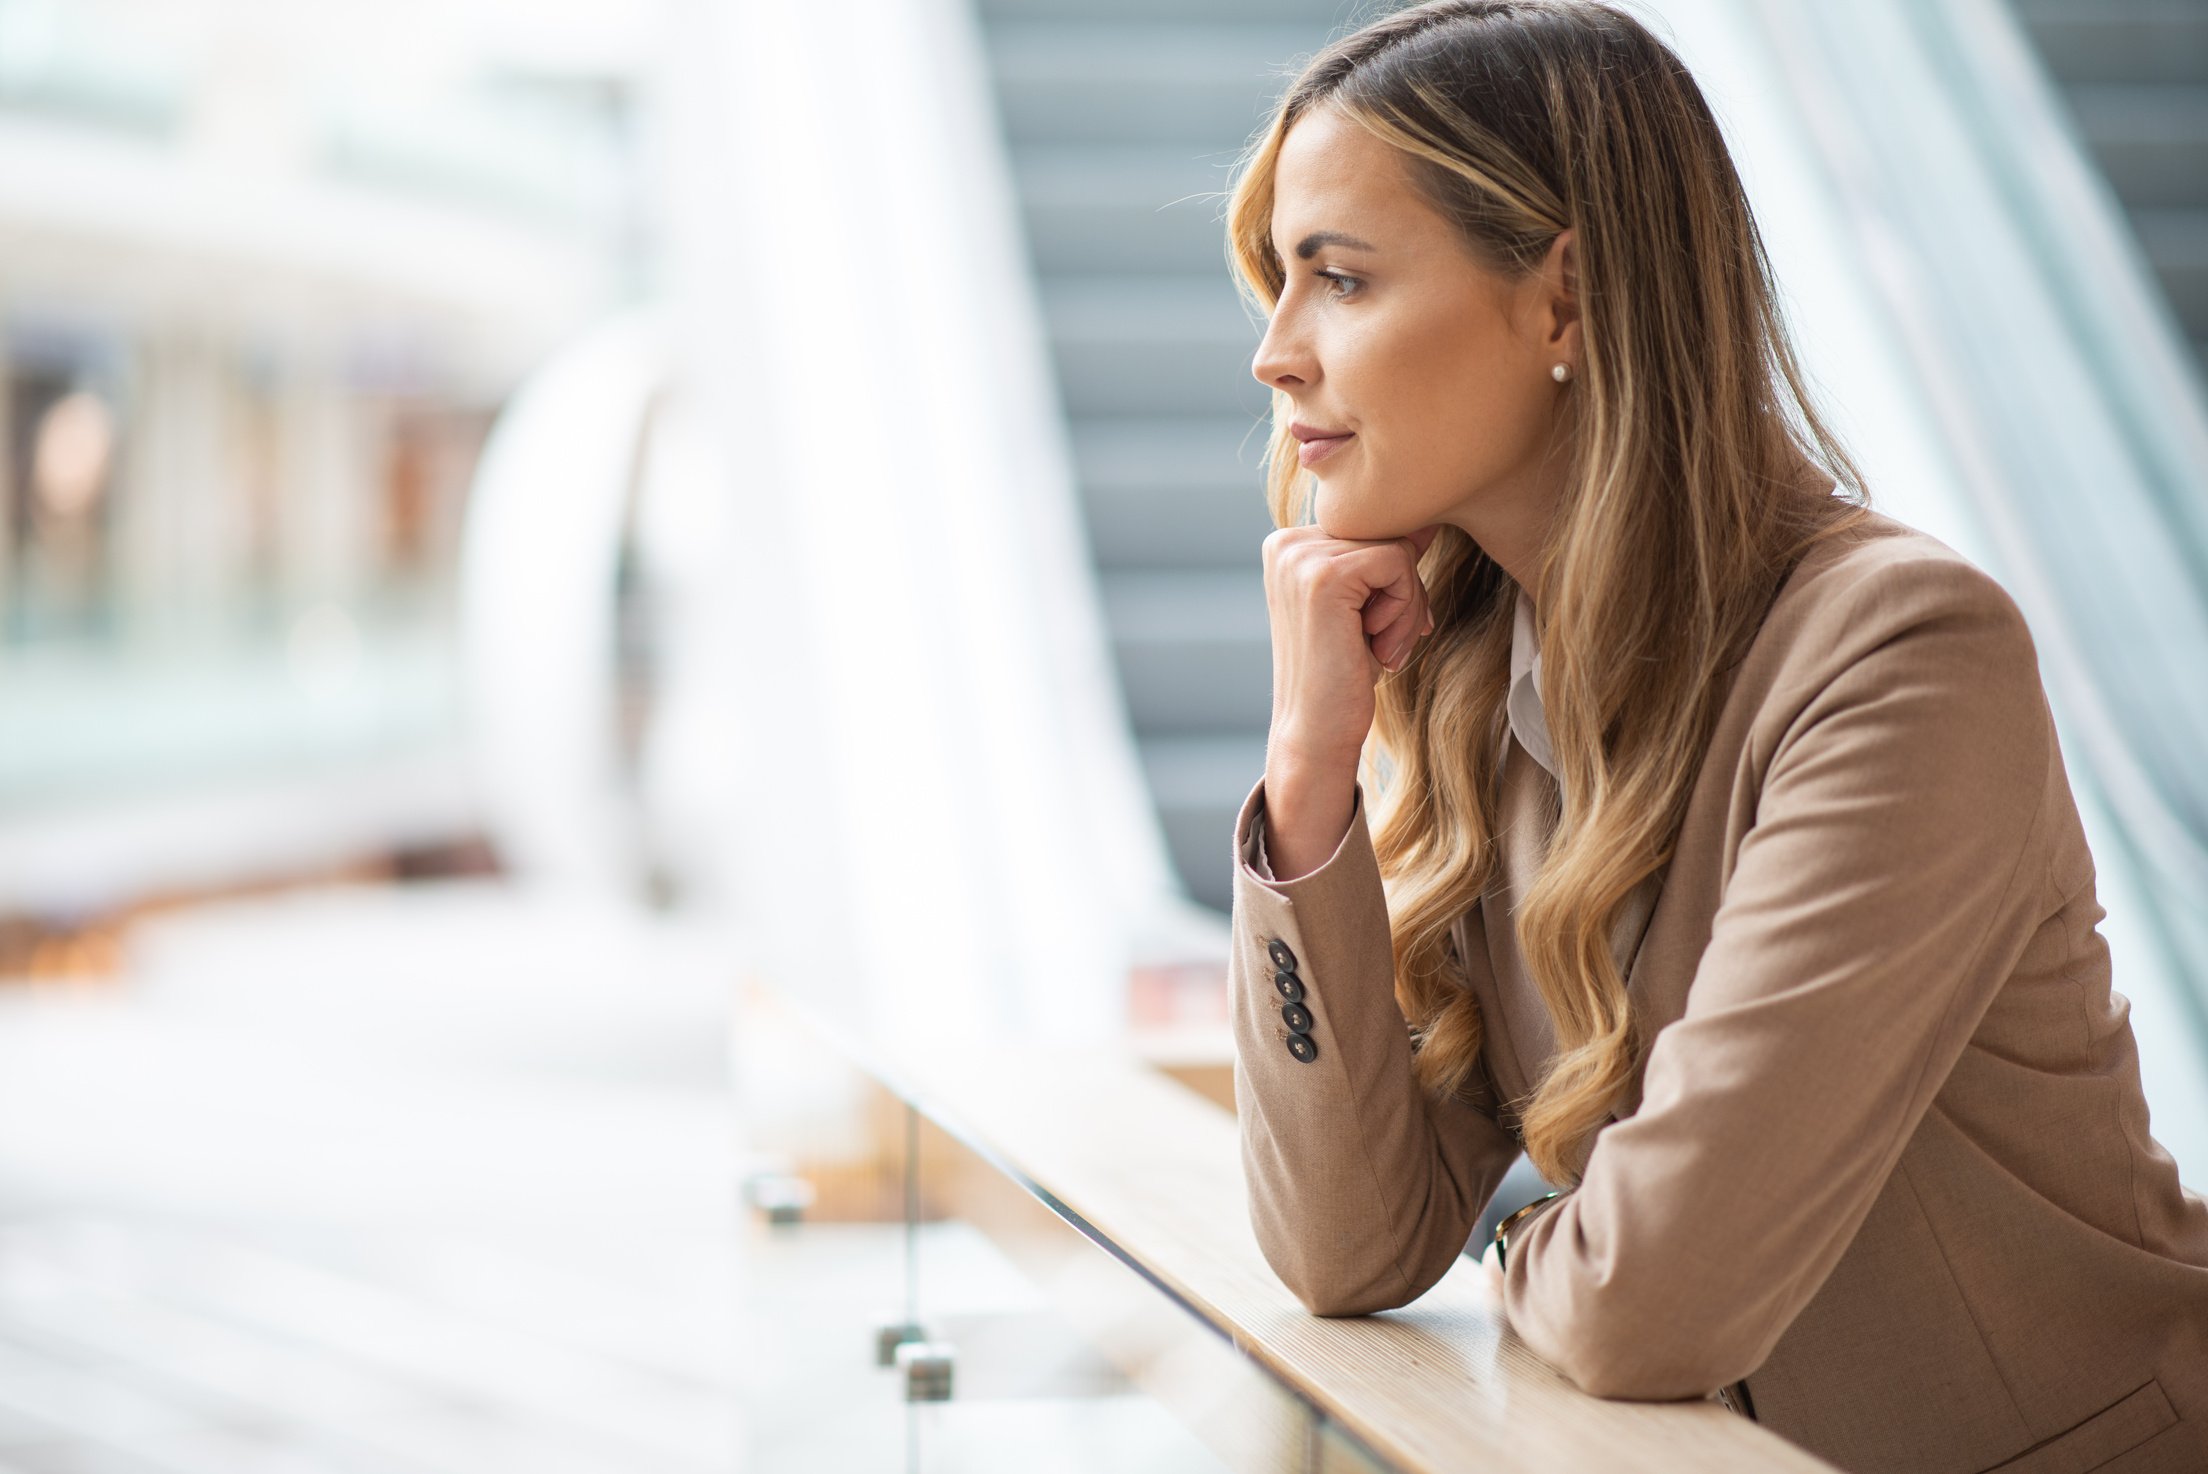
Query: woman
point(1724, 861)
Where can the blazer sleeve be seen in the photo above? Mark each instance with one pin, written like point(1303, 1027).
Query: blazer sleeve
point(1875, 906)
point(1362, 1188)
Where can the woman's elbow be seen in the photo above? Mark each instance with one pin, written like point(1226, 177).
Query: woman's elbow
point(1659, 1358)
point(1369, 1299)
point(1330, 1285)
point(1639, 1375)
point(1334, 1294)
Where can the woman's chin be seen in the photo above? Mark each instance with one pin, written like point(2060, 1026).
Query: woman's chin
point(1350, 523)
point(1330, 514)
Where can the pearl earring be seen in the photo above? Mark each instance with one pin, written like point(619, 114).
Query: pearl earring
point(1561, 372)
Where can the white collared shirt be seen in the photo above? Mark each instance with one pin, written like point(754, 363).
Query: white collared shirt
point(1527, 721)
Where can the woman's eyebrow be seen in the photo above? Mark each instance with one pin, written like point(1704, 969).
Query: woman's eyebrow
point(1311, 244)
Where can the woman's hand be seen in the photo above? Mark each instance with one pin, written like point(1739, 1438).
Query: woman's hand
point(1342, 610)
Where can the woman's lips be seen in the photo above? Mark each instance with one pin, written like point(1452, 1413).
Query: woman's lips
point(1310, 451)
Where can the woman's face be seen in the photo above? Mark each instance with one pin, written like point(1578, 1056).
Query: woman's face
point(1388, 329)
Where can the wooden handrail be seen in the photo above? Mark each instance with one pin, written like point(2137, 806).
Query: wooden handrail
point(1149, 1170)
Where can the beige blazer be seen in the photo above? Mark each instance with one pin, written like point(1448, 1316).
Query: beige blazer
point(1885, 1171)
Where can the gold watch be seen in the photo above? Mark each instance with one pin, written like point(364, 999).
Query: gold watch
point(1502, 1230)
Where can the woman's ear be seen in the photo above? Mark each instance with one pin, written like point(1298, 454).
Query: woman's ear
point(1560, 288)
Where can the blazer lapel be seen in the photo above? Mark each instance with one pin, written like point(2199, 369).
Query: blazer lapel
point(1523, 1035)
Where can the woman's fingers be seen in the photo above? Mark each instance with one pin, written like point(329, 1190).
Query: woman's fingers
point(1393, 648)
point(1398, 615)
point(1331, 601)
point(1391, 586)
point(1384, 608)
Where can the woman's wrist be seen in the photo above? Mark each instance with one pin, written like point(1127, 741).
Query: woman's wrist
point(1294, 744)
point(1504, 1229)
point(1308, 809)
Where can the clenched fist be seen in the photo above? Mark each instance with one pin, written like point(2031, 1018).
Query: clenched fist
point(1341, 610)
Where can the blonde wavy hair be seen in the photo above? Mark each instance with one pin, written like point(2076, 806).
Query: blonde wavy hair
point(1685, 502)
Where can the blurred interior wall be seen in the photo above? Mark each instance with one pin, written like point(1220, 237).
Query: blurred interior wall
point(940, 817)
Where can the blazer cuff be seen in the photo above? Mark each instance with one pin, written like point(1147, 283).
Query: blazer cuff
point(1249, 843)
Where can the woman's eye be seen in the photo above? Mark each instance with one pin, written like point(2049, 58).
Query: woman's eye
point(1351, 282)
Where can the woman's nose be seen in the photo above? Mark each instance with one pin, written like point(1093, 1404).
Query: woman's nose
point(1279, 361)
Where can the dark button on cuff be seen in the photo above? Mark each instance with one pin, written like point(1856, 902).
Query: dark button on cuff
point(1302, 1048)
point(1282, 957)
point(1297, 1017)
point(1291, 986)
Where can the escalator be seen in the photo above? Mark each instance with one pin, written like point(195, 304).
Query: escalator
point(1123, 122)
point(2134, 76)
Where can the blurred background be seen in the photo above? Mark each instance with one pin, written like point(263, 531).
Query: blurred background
point(543, 546)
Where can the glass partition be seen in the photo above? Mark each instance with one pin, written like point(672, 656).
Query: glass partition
point(1000, 1254)
point(933, 1309)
